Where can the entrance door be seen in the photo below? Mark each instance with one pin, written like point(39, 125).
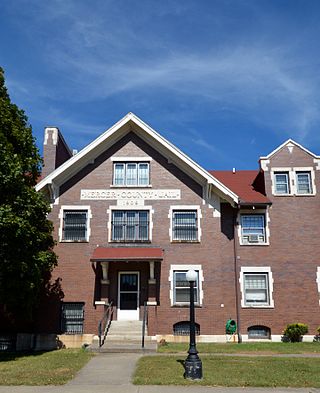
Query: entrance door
point(128, 296)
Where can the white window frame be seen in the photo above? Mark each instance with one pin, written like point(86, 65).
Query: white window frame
point(109, 225)
point(64, 208)
point(293, 182)
point(130, 161)
point(287, 183)
point(174, 208)
point(174, 268)
point(248, 212)
point(318, 281)
point(256, 270)
point(312, 183)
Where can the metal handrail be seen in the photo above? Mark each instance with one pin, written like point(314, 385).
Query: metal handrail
point(144, 322)
point(104, 324)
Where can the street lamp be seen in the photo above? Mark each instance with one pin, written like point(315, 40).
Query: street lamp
point(193, 364)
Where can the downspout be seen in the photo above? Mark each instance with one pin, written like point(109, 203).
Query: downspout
point(236, 273)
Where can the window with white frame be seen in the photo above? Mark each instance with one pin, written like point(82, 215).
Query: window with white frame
point(180, 287)
point(256, 287)
point(130, 225)
point(281, 181)
point(131, 174)
point(304, 184)
point(185, 223)
point(75, 225)
point(253, 228)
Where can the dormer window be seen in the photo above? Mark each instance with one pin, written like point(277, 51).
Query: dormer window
point(131, 174)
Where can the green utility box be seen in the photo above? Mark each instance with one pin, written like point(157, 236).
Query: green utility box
point(231, 326)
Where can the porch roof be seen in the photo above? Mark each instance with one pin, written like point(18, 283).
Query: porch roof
point(126, 253)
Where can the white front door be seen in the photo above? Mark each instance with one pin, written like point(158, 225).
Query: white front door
point(128, 296)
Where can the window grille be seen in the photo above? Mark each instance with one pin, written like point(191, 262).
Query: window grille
point(304, 183)
point(185, 225)
point(75, 225)
point(256, 288)
point(72, 317)
point(253, 228)
point(282, 183)
point(130, 225)
point(256, 332)
point(182, 288)
point(183, 328)
point(131, 174)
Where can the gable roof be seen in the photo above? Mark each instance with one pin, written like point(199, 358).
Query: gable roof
point(288, 142)
point(248, 185)
point(128, 123)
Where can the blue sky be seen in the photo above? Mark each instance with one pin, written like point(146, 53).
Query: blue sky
point(226, 81)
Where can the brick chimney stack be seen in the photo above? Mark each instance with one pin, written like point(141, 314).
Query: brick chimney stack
point(55, 150)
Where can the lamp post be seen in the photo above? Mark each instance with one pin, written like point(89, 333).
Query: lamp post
point(193, 364)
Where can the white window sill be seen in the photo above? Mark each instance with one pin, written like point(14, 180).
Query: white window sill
point(130, 186)
point(257, 306)
point(74, 241)
point(255, 244)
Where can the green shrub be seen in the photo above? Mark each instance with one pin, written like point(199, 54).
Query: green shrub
point(295, 331)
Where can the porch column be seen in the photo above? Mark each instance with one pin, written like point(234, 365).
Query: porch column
point(152, 285)
point(105, 282)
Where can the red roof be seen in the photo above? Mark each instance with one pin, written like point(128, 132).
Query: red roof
point(248, 185)
point(126, 253)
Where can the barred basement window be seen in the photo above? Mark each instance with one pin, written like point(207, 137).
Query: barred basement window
point(258, 331)
point(74, 225)
point(183, 328)
point(72, 317)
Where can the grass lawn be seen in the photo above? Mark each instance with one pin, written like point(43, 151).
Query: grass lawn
point(259, 347)
point(231, 371)
point(41, 368)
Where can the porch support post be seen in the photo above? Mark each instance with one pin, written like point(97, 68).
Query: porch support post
point(105, 268)
point(151, 277)
point(104, 290)
point(152, 285)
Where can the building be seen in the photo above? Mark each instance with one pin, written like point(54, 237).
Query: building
point(132, 213)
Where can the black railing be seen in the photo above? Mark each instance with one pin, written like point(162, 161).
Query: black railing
point(104, 324)
point(144, 322)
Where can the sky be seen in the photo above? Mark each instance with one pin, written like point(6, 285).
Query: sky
point(226, 81)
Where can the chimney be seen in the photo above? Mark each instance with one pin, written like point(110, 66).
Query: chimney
point(55, 150)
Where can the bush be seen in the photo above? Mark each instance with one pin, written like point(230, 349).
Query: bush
point(295, 331)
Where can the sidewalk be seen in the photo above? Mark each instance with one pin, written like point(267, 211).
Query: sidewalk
point(111, 373)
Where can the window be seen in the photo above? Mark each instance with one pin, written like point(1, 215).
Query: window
point(281, 180)
point(256, 286)
point(304, 183)
point(253, 228)
point(74, 225)
point(72, 317)
point(259, 332)
point(181, 292)
point(185, 225)
point(130, 225)
point(183, 328)
point(131, 174)
point(180, 287)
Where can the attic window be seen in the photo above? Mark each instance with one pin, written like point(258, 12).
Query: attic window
point(131, 174)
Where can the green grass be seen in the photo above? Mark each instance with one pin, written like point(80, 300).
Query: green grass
point(43, 368)
point(231, 371)
point(259, 348)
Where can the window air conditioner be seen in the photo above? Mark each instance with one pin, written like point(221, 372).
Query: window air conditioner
point(253, 238)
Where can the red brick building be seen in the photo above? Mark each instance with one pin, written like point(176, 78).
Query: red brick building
point(132, 213)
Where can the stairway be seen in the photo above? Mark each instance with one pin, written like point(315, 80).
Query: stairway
point(125, 336)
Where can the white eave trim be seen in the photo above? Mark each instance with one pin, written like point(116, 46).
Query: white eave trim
point(153, 134)
point(286, 143)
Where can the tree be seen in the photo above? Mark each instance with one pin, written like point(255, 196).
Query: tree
point(26, 242)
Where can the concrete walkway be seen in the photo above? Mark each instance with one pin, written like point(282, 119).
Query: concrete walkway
point(111, 373)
